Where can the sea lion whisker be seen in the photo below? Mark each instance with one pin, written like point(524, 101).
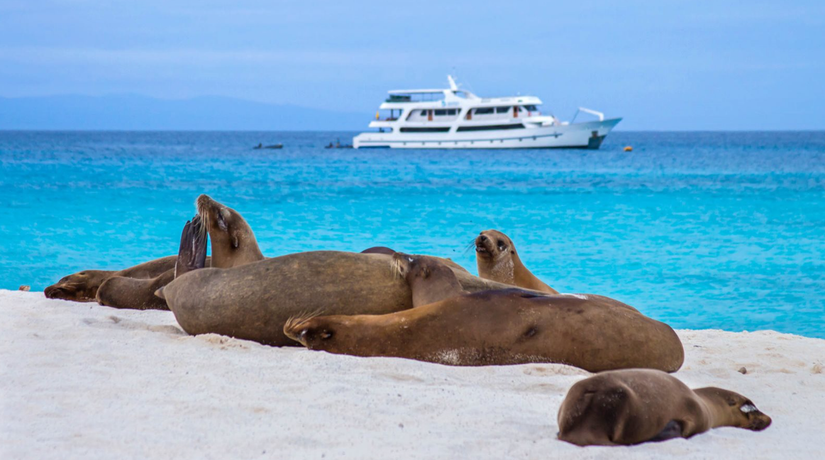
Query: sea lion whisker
point(395, 268)
point(471, 245)
point(302, 317)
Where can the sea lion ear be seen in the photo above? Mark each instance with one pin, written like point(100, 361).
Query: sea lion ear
point(426, 272)
point(235, 242)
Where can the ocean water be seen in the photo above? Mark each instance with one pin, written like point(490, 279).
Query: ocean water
point(700, 230)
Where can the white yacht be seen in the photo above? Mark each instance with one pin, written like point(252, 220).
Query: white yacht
point(457, 119)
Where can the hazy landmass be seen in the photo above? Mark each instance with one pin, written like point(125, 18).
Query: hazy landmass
point(135, 112)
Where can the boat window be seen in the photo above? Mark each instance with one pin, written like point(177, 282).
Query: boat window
point(426, 130)
point(440, 112)
point(502, 109)
point(398, 98)
point(484, 110)
point(531, 108)
point(452, 111)
point(489, 127)
point(423, 113)
point(416, 97)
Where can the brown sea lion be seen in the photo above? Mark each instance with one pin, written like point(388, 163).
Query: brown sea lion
point(378, 250)
point(254, 301)
point(498, 260)
point(499, 327)
point(232, 239)
point(429, 280)
point(233, 244)
point(641, 405)
point(83, 286)
point(134, 293)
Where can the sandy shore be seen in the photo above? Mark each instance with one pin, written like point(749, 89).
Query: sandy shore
point(85, 381)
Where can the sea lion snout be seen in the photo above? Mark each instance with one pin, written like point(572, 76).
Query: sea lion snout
point(757, 420)
point(56, 292)
point(760, 421)
point(484, 245)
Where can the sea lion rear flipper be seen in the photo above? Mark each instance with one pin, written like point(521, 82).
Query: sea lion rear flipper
point(192, 252)
point(673, 429)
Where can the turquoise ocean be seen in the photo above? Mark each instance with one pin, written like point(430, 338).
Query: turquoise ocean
point(701, 230)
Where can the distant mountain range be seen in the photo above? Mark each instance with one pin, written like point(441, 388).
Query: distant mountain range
point(134, 112)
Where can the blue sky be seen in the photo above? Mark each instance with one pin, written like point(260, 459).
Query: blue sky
point(662, 65)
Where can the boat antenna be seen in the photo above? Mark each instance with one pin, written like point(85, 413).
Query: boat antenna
point(453, 86)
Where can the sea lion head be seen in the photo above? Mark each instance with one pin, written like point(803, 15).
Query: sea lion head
point(312, 331)
point(410, 267)
point(233, 242)
point(430, 279)
point(79, 287)
point(737, 410)
point(492, 246)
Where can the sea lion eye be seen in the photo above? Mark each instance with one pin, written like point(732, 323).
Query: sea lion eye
point(747, 408)
point(501, 245)
point(222, 219)
point(325, 335)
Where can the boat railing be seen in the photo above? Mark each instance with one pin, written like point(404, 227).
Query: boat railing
point(590, 111)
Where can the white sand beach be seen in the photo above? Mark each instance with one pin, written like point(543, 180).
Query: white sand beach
point(78, 380)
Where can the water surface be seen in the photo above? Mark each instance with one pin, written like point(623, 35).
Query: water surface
point(701, 230)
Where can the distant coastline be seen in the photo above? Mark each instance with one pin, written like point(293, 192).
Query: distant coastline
point(142, 113)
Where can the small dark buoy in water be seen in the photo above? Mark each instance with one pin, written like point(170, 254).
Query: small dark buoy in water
point(628, 149)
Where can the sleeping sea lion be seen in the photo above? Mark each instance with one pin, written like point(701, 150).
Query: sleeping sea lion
point(642, 405)
point(498, 327)
point(83, 286)
point(498, 260)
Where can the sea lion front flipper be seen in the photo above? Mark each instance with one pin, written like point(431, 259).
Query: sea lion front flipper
point(192, 252)
point(673, 429)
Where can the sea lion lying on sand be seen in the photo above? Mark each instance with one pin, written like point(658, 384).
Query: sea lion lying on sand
point(641, 405)
point(498, 260)
point(498, 327)
point(83, 286)
point(254, 301)
point(233, 244)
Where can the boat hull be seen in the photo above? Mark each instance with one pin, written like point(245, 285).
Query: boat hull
point(587, 135)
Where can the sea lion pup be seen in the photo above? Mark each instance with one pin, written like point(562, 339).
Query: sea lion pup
point(233, 241)
point(83, 286)
point(498, 260)
point(500, 327)
point(640, 405)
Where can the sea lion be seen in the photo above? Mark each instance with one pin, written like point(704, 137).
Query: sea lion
point(254, 301)
point(134, 293)
point(498, 260)
point(498, 327)
point(378, 250)
point(641, 405)
point(233, 244)
point(429, 280)
point(233, 241)
point(83, 286)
